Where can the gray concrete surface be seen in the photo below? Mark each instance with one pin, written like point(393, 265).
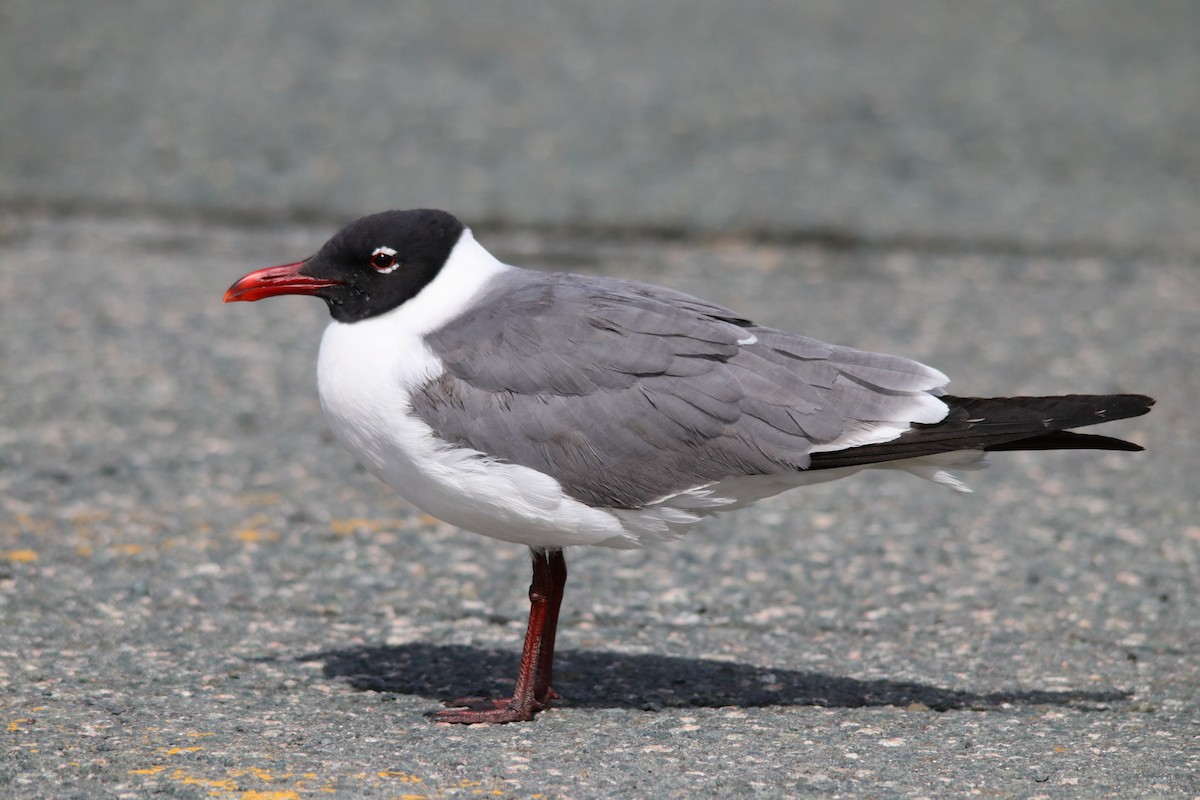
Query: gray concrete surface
point(202, 596)
point(1069, 123)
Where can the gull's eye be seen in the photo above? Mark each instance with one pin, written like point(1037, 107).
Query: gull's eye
point(383, 260)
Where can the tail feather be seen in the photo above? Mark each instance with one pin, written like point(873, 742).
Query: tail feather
point(1002, 423)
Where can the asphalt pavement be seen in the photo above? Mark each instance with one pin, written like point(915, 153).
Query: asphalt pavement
point(201, 595)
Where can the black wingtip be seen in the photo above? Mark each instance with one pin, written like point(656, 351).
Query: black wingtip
point(1124, 406)
point(1004, 423)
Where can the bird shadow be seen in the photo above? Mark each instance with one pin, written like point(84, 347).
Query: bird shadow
point(600, 679)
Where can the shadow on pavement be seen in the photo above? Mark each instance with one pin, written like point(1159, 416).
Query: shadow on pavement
point(600, 679)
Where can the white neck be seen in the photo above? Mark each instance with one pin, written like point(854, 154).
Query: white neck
point(465, 273)
point(388, 351)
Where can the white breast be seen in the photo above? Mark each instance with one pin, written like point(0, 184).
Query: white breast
point(365, 375)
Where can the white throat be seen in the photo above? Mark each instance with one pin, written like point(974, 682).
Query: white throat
point(367, 368)
point(465, 273)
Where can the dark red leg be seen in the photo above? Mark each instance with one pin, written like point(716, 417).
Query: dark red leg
point(533, 691)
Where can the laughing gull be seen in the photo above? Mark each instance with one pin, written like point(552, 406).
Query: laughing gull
point(551, 410)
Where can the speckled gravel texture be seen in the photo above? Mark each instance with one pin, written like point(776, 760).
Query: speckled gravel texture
point(202, 596)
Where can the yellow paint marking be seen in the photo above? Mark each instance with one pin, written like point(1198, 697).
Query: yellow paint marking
point(22, 556)
point(403, 777)
point(148, 771)
point(301, 784)
point(86, 517)
point(254, 535)
point(349, 525)
point(26, 522)
point(198, 734)
point(174, 751)
point(261, 774)
point(239, 783)
point(190, 780)
point(129, 548)
point(15, 725)
point(261, 498)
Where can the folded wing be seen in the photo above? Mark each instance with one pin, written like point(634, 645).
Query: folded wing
point(627, 393)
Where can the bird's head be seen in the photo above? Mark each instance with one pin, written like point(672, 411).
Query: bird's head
point(371, 266)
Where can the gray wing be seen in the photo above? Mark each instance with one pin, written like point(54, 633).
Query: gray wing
point(628, 393)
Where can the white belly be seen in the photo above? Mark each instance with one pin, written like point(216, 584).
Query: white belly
point(364, 375)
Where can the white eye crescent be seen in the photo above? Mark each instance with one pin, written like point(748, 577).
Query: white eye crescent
point(383, 260)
